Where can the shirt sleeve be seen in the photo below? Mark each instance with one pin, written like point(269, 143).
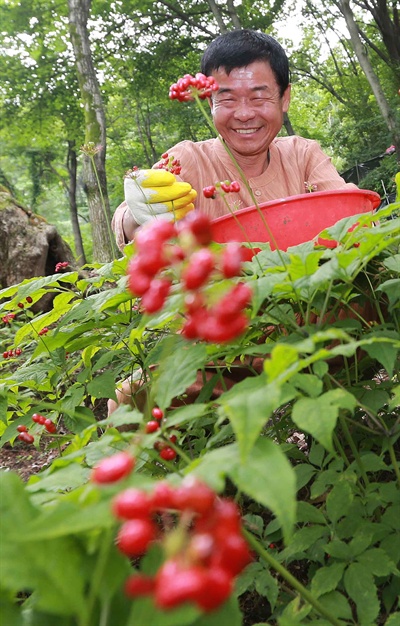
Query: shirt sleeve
point(321, 172)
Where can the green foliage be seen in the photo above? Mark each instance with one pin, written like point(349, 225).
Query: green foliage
point(323, 518)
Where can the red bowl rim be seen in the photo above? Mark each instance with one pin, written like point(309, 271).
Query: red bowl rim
point(375, 198)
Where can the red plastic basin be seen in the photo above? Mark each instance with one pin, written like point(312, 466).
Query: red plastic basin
point(295, 219)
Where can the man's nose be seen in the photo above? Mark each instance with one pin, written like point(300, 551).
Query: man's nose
point(244, 110)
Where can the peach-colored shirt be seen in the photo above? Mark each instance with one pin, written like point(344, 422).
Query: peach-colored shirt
point(293, 162)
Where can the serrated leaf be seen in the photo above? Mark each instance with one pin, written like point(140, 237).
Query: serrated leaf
point(269, 479)
point(266, 585)
point(177, 372)
point(248, 408)
point(304, 539)
point(327, 578)
point(318, 416)
point(377, 562)
point(362, 590)
point(384, 353)
point(339, 500)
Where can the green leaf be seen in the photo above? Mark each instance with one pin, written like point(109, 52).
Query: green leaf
point(377, 562)
point(327, 578)
point(304, 539)
point(393, 620)
point(177, 371)
point(269, 479)
point(248, 407)
point(339, 500)
point(102, 386)
point(318, 416)
point(361, 588)
point(337, 605)
point(144, 613)
point(52, 567)
point(266, 585)
point(384, 353)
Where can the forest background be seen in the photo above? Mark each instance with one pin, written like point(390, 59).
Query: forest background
point(99, 72)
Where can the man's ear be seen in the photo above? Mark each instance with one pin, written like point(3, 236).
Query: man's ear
point(286, 98)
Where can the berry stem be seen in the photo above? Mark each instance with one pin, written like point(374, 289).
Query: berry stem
point(293, 582)
point(98, 573)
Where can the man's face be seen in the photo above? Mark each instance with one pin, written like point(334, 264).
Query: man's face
point(247, 109)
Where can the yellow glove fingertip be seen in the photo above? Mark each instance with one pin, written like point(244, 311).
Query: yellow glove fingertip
point(156, 178)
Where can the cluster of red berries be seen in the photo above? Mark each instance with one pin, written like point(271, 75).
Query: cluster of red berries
point(43, 331)
point(188, 86)
point(46, 422)
point(170, 164)
point(225, 186)
point(185, 248)
point(8, 354)
point(38, 419)
point(24, 435)
point(61, 266)
point(205, 551)
point(167, 453)
point(8, 317)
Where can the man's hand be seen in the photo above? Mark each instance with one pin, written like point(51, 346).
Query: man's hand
point(157, 193)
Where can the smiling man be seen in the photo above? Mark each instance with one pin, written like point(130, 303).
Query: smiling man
point(252, 73)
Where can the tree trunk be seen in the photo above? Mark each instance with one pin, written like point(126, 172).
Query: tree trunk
point(372, 78)
point(73, 210)
point(288, 124)
point(104, 248)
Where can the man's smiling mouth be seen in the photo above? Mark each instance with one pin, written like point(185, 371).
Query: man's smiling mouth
point(245, 131)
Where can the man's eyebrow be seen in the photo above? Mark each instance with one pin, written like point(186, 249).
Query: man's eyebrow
point(223, 90)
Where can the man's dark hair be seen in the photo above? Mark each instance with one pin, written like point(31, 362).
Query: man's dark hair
point(239, 48)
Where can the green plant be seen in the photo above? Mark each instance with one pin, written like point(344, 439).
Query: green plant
point(323, 520)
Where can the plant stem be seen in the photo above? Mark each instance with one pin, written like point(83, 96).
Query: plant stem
point(394, 461)
point(293, 582)
point(105, 545)
point(353, 447)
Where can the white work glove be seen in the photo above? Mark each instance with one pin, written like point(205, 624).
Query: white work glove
point(156, 193)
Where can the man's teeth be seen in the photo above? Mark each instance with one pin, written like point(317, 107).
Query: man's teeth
point(246, 131)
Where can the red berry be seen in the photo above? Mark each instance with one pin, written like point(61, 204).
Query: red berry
point(5, 354)
point(209, 192)
point(200, 226)
point(139, 585)
point(18, 351)
point(173, 439)
point(135, 536)
point(225, 186)
point(132, 503)
point(113, 468)
point(29, 299)
point(232, 259)
point(233, 554)
point(199, 269)
point(39, 419)
point(195, 495)
point(152, 426)
point(50, 426)
point(21, 428)
point(154, 298)
point(163, 496)
point(168, 454)
point(157, 413)
point(216, 590)
point(20, 305)
point(176, 584)
point(26, 437)
point(235, 186)
point(218, 331)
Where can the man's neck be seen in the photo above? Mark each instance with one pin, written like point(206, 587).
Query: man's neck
point(252, 165)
